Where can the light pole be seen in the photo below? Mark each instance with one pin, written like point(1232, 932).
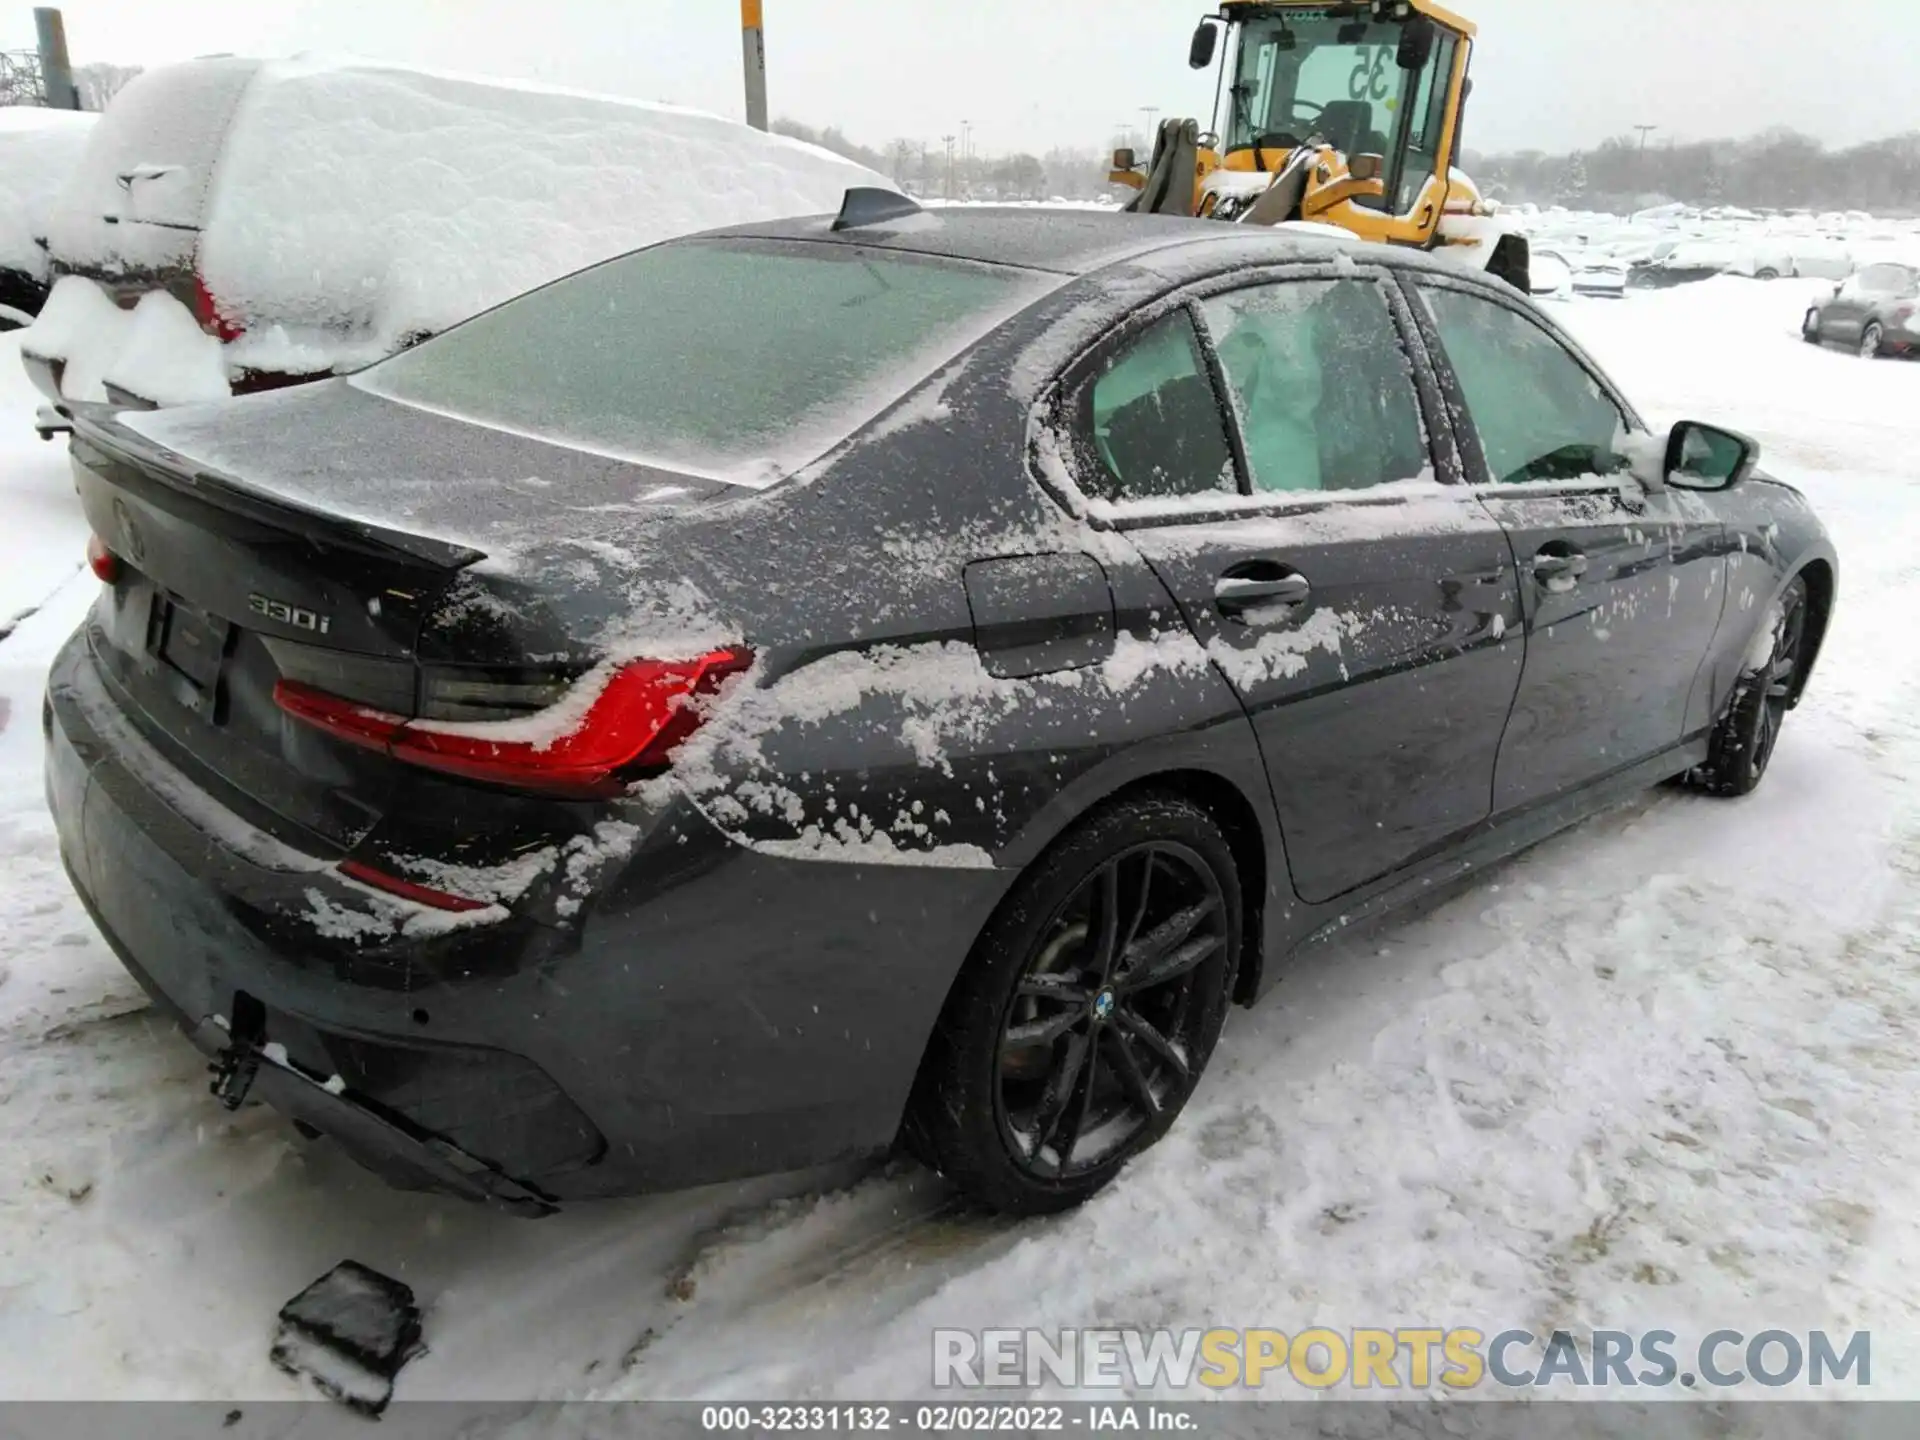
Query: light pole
point(948, 139)
point(753, 50)
point(1150, 111)
point(1640, 165)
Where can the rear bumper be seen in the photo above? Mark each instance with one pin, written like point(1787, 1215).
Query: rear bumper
point(712, 1012)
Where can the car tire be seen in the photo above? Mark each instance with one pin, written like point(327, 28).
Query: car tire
point(1766, 272)
point(1743, 742)
point(1059, 1027)
point(1810, 328)
point(1872, 341)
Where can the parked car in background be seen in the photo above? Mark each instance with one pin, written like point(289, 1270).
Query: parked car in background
point(238, 224)
point(38, 151)
point(1550, 274)
point(902, 675)
point(1689, 261)
point(1822, 259)
point(1599, 276)
point(1877, 311)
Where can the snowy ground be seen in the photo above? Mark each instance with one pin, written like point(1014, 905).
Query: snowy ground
point(1659, 1072)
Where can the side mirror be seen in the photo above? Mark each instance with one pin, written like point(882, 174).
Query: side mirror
point(1123, 158)
point(1705, 457)
point(1417, 38)
point(1200, 52)
point(1366, 167)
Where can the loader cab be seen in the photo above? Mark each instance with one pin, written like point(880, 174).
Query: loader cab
point(1385, 79)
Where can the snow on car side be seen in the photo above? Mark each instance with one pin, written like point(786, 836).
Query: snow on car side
point(312, 216)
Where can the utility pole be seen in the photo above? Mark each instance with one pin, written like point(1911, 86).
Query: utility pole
point(949, 139)
point(753, 46)
point(56, 70)
point(1150, 111)
point(1645, 130)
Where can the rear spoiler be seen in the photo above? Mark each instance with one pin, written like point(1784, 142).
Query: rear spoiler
point(96, 424)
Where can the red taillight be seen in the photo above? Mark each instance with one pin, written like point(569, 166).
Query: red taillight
point(207, 311)
point(639, 715)
point(102, 561)
point(407, 890)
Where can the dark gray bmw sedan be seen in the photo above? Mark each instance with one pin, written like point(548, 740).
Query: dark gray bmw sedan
point(894, 676)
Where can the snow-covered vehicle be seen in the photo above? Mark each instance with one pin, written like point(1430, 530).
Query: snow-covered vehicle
point(238, 224)
point(1600, 276)
point(38, 149)
point(1823, 258)
point(1690, 260)
point(1552, 274)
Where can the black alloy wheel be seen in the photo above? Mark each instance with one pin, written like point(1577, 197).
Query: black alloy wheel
point(1744, 742)
point(1089, 1010)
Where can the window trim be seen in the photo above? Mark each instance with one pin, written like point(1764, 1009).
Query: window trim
point(1066, 406)
point(1466, 436)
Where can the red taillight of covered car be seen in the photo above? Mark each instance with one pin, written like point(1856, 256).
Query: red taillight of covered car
point(207, 311)
point(588, 746)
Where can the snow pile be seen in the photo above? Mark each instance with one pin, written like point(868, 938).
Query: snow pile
point(386, 203)
point(166, 357)
point(38, 149)
point(156, 350)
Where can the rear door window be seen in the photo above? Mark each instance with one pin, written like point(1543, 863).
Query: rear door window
point(1321, 385)
point(733, 359)
point(1156, 423)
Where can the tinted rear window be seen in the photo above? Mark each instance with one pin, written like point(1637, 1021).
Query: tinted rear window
point(734, 359)
point(1886, 279)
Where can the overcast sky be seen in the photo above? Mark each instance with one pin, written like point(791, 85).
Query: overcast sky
point(1549, 74)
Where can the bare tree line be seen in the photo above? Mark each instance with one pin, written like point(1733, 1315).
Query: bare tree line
point(936, 169)
point(1780, 169)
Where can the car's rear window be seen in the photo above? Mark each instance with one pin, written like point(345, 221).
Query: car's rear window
point(1886, 279)
point(736, 359)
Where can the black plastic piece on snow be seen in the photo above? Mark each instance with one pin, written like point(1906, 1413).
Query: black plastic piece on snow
point(870, 205)
point(350, 1332)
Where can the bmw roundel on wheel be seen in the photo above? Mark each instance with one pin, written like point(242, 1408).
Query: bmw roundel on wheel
point(891, 679)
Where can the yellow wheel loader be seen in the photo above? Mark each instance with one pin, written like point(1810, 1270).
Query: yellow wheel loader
point(1334, 114)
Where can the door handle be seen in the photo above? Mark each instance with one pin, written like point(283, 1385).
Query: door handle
point(1557, 570)
point(1235, 593)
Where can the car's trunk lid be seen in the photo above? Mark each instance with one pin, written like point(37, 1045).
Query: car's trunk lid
point(329, 538)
